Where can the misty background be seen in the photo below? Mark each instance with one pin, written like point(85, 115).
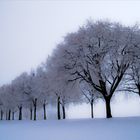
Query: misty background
point(30, 30)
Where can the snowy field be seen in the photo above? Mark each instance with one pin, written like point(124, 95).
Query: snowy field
point(82, 129)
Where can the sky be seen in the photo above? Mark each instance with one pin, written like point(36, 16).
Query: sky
point(30, 30)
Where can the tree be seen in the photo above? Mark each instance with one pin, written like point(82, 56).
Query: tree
point(31, 91)
point(132, 83)
point(90, 94)
point(20, 85)
point(8, 101)
point(45, 96)
point(1, 104)
point(132, 78)
point(97, 54)
point(60, 87)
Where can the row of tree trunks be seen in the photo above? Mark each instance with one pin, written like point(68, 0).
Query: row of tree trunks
point(8, 114)
point(108, 109)
point(35, 106)
point(35, 110)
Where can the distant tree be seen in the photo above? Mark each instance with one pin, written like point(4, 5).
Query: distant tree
point(45, 96)
point(62, 90)
point(31, 91)
point(1, 104)
point(20, 85)
point(8, 102)
point(90, 94)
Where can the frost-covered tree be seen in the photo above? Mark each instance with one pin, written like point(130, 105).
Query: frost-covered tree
point(8, 102)
point(26, 91)
point(97, 54)
point(1, 107)
point(135, 67)
point(31, 91)
point(135, 75)
point(1, 104)
point(62, 90)
point(20, 84)
point(132, 82)
point(132, 79)
point(45, 96)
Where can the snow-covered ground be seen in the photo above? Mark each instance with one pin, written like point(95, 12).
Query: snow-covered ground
point(82, 129)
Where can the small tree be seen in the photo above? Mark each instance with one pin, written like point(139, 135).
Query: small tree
point(90, 94)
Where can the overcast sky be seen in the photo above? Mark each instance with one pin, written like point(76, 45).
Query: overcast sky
point(29, 30)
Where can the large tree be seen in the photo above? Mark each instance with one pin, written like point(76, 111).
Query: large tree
point(97, 54)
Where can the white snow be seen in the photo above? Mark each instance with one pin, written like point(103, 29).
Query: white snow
point(82, 129)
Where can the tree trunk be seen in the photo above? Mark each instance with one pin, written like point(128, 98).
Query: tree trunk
point(6, 115)
point(1, 116)
point(58, 108)
point(35, 105)
point(31, 113)
point(20, 113)
point(44, 109)
point(13, 115)
point(91, 104)
point(108, 108)
point(64, 113)
point(9, 115)
point(138, 87)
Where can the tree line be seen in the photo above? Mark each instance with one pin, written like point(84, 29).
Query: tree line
point(98, 60)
